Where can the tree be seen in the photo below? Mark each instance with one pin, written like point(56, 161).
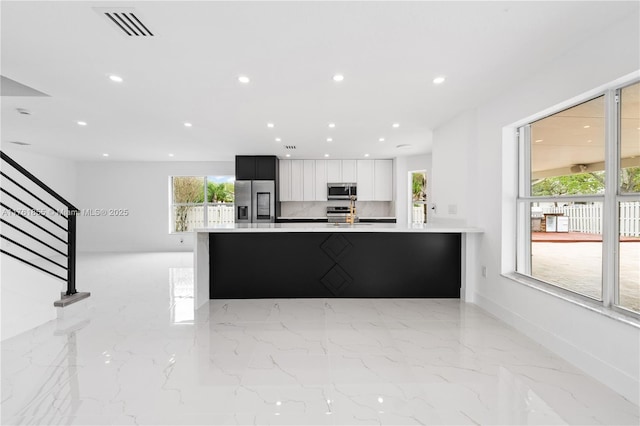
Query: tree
point(630, 179)
point(220, 192)
point(186, 189)
point(577, 184)
point(418, 186)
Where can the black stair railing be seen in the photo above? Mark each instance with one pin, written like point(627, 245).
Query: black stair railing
point(32, 224)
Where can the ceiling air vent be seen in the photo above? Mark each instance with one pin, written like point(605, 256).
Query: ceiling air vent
point(126, 20)
point(289, 147)
point(20, 143)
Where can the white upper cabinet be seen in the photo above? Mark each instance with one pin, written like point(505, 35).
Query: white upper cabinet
point(321, 180)
point(334, 171)
point(365, 180)
point(383, 180)
point(297, 176)
point(349, 173)
point(308, 180)
point(285, 180)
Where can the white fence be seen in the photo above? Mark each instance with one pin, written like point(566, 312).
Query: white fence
point(417, 216)
point(588, 218)
point(216, 214)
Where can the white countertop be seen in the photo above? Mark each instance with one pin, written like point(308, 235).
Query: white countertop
point(325, 218)
point(330, 227)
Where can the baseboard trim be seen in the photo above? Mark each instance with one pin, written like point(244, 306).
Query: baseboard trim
point(619, 381)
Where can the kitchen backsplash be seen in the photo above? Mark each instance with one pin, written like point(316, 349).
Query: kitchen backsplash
point(319, 208)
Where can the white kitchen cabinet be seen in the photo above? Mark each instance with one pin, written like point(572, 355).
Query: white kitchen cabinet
point(334, 171)
point(383, 180)
point(308, 180)
point(365, 180)
point(285, 180)
point(321, 180)
point(297, 176)
point(349, 174)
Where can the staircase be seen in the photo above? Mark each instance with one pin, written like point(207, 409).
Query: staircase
point(38, 227)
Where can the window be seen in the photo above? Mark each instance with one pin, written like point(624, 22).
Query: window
point(418, 196)
point(627, 294)
point(200, 201)
point(579, 185)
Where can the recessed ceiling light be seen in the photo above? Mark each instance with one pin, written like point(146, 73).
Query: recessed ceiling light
point(438, 80)
point(287, 155)
point(338, 77)
point(82, 123)
point(586, 127)
point(329, 139)
point(326, 155)
point(244, 79)
point(270, 125)
point(395, 125)
point(105, 155)
point(332, 125)
point(381, 140)
point(170, 155)
point(188, 124)
point(116, 78)
point(538, 140)
point(366, 155)
point(278, 140)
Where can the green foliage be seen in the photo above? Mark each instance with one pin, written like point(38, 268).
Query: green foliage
point(586, 183)
point(419, 186)
point(220, 192)
point(630, 179)
point(577, 184)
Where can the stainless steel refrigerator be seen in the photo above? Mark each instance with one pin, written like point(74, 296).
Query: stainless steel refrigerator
point(255, 201)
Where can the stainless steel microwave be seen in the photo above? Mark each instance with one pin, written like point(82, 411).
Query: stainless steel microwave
point(341, 191)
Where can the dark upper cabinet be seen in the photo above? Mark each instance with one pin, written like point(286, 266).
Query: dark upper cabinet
point(266, 167)
point(256, 167)
point(245, 167)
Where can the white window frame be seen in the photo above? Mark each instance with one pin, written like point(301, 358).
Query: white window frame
point(610, 199)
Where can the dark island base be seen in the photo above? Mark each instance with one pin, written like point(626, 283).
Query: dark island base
point(319, 265)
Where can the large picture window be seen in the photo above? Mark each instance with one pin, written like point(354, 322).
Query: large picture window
point(200, 202)
point(579, 199)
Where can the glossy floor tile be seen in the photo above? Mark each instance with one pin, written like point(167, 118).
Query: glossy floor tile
point(137, 353)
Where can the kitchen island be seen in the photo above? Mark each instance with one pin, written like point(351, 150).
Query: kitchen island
point(297, 260)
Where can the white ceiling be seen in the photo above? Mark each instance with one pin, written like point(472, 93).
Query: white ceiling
point(389, 53)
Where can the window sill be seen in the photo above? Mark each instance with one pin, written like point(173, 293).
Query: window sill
point(584, 302)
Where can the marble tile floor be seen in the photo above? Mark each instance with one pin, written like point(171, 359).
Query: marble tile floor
point(137, 353)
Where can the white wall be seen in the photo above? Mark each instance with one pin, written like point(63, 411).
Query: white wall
point(143, 189)
point(59, 174)
point(404, 165)
point(454, 168)
point(603, 347)
point(27, 294)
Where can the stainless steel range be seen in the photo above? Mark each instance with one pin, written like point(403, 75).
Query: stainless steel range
point(338, 214)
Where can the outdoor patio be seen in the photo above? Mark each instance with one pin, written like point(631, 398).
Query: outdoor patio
point(574, 261)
